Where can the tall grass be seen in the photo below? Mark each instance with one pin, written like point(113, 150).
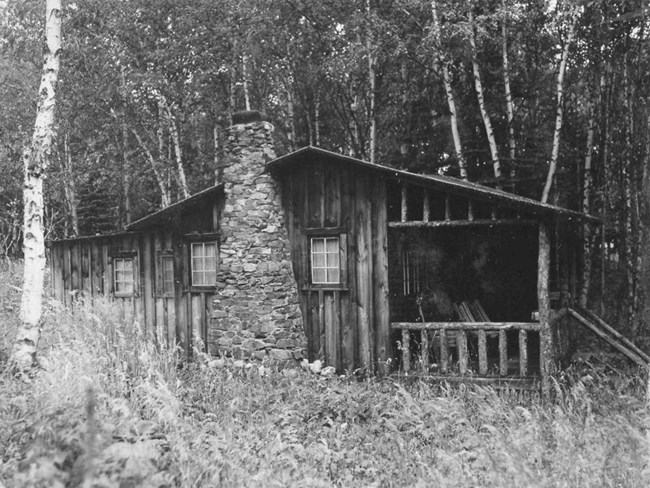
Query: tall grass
point(110, 408)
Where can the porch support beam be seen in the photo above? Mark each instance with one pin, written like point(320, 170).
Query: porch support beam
point(459, 223)
point(546, 359)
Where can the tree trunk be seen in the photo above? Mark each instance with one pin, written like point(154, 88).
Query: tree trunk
point(559, 113)
point(69, 187)
point(36, 159)
point(165, 198)
point(244, 63)
point(494, 152)
point(510, 108)
point(173, 130)
point(126, 165)
point(451, 102)
point(372, 81)
point(587, 187)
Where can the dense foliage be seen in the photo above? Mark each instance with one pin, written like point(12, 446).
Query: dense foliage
point(148, 86)
point(108, 408)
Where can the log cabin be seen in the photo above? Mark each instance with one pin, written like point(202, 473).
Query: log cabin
point(318, 255)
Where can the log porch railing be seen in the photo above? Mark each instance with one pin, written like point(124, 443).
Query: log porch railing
point(440, 332)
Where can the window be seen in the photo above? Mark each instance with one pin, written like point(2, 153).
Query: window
point(167, 275)
point(123, 276)
point(325, 260)
point(204, 263)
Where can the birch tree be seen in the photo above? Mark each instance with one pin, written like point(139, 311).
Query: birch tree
point(36, 159)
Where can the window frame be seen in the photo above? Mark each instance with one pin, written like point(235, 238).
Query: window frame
point(161, 257)
point(326, 233)
point(208, 239)
point(131, 256)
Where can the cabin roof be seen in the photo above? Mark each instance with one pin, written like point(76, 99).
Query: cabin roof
point(445, 183)
point(168, 213)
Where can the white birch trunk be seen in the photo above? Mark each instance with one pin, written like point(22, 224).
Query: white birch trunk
point(510, 107)
point(165, 198)
point(36, 159)
point(247, 99)
point(451, 102)
point(173, 131)
point(559, 113)
point(317, 120)
point(494, 152)
point(372, 81)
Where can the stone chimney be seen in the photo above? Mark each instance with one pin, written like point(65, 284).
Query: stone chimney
point(256, 312)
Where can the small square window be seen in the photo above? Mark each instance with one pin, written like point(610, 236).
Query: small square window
point(123, 276)
point(325, 260)
point(204, 263)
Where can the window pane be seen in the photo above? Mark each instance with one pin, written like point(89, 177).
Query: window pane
point(210, 249)
point(332, 260)
point(318, 245)
point(197, 250)
point(210, 278)
point(197, 278)
point(333, 276)
point(197, 264)
point(128, 265)
point(318, 275)
point(333, 245)
point(319, 260)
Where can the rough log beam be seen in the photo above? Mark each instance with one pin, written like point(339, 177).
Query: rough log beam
point(503, 353)
point(523, 353)
point(406, 350)
point(482, 352)
point(461, 341)
point(459, 223)
point(527, 326)
point(424, 350)
point(404, 204)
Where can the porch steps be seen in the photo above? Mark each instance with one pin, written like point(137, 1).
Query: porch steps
point(610, 335)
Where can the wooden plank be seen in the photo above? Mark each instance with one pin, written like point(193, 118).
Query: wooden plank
point(332, 197)
point(544, 308)
point(97, 268)
point(406, 350)
point(57, 265)
point(86, 266)
point(426, 206)
point(380, 297)
point(67, 283)
point(348, 220)
point(460, 223)
point(503, 353)
point(529, 326)
point(482, 352)
point(197, 309)
point(161, 321)
point(424, 350)
point(316, 350)
point(611, 341)
point(444, 351)
point(75, 265)
point(364, 271)
point(170, 319)
point(315, 197)
point(404, 204)
point(461, 342)
point(608, 328)
point(523, 353)
point(148, 278)
point(332, 332)
point(447, 207)
point(108, 268)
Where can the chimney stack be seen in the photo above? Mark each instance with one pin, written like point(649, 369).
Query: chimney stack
point(256, 311)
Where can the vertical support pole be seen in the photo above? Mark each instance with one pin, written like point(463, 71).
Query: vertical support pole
point(503, 353)
point(424, 350)
point(406, 350)
point(493, 213)
point(447, 208)
point(470, 210)
point(461, 339)
point(544, 307)
point(426, 207)
point(523, 353)
point(482, 352)
point(404, 203)
point(444, 352)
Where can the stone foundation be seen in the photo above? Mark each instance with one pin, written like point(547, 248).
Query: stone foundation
point(256, 309)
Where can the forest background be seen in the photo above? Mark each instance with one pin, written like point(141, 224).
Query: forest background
point(527, 96)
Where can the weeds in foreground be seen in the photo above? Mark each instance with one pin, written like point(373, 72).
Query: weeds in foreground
point(109, 408)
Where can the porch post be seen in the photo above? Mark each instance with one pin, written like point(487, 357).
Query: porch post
point(544, 309)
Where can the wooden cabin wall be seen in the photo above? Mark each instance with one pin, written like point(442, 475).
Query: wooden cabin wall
point(346, 325)
point(84, 267)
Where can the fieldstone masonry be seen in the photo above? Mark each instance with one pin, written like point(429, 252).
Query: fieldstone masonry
point(256, 309)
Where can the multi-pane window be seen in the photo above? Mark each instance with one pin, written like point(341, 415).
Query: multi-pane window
point(204, 263)
point(123, 276)
point(167, 274)
point(325, 260)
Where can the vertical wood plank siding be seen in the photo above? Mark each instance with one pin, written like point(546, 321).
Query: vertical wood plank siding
point(86, 265)
point(346, 325)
